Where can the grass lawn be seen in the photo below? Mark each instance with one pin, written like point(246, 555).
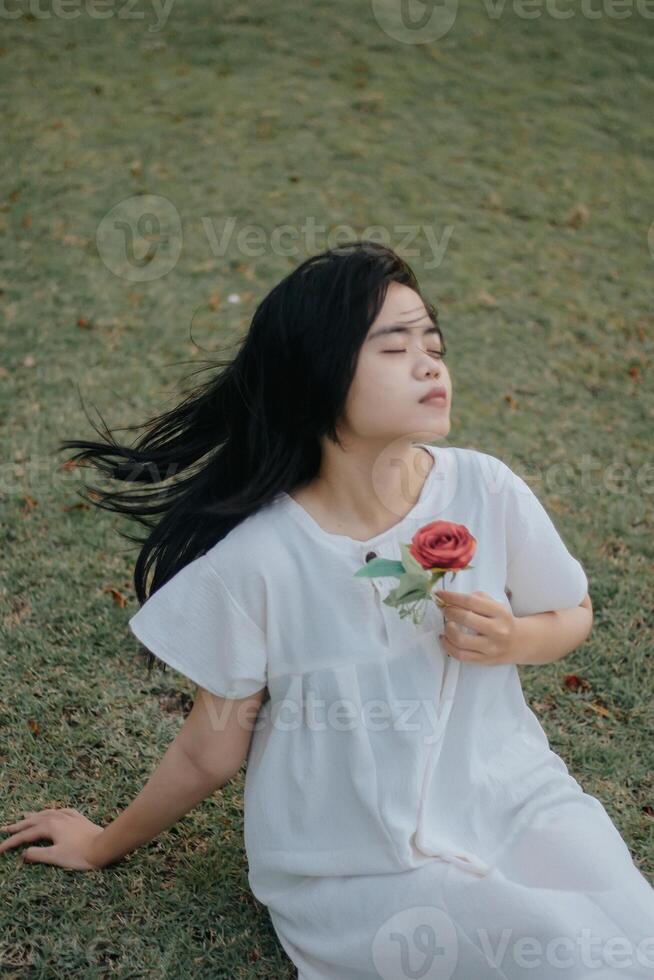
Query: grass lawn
point(511, 162)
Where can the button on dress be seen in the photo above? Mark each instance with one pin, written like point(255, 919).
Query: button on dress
point(404, 813)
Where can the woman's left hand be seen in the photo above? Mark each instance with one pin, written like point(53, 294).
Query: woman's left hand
point(72, 835)
point(495, 627)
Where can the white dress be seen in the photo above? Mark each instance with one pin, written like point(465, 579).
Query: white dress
point(404, 813)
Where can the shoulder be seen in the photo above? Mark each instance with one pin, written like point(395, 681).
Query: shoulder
point(246, 559)
point(486, 476)
point(246, 542)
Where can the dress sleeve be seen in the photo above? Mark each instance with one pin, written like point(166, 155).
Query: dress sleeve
point(541, 573)
point(193, 623)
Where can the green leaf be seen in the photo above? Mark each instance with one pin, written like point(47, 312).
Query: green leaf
point(411, 584)
point(380, 568)
point(410, 563)
point(395, 598)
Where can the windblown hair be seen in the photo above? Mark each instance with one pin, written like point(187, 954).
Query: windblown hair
point(254, 427)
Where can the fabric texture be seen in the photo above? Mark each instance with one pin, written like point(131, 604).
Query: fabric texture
point(541, 573)
point(396, 799)
point(194, 624)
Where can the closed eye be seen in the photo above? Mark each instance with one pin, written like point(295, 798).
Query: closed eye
point(439, 353)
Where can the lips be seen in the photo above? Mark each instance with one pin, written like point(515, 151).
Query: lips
point(435, 396)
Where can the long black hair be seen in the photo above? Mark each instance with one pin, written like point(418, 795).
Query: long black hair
point(254, 428)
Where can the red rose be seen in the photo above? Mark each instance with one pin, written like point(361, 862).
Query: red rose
point(443, 544)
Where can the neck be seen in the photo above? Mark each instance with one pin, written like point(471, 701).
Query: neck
point(367, 491)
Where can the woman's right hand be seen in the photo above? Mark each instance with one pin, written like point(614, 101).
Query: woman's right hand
point(71, 833)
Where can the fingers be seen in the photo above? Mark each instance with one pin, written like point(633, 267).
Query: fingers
point(29, 814)
point(19, 824)
point(29, 834)
point(460, 653)
point(33, 827)
point(13, 827)
point(26, 815)
point(473, 643)
point(466, 617)
point(45, 855)
point(479, 603)
point(490, 628)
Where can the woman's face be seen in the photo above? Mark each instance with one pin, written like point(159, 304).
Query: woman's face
point(395, 370)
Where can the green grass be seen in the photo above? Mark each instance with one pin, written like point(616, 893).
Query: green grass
point(498, 131)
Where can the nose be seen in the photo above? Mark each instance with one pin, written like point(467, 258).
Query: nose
point(434, 365)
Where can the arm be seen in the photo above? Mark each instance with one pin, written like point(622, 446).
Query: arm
point(207, 752)
point(545, 637)
point(501, 637)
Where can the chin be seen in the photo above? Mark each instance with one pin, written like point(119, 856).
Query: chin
point(439, 427)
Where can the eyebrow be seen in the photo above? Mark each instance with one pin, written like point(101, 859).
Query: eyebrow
point(400, 328)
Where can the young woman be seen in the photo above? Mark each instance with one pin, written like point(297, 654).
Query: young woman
point(404, 814)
